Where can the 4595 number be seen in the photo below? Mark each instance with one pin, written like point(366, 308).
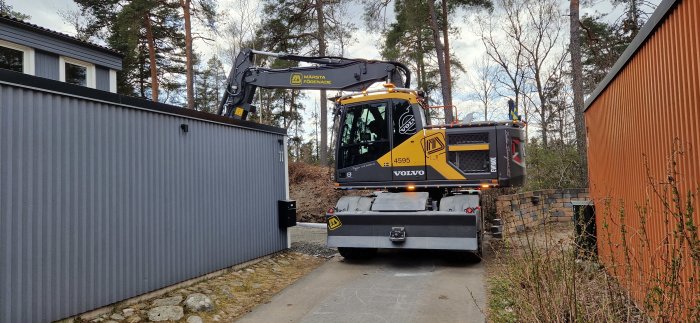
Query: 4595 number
point(402, 160)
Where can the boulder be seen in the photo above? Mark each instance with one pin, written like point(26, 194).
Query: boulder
point(166, 313)
point(117, 317)
point(133, 319)
point(168, 301)
point(198, 302)
point(128, 312)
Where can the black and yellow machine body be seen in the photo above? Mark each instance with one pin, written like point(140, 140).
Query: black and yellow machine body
point(385, 141)
point(427, 178)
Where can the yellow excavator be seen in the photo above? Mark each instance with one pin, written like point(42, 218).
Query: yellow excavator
point(427, 177)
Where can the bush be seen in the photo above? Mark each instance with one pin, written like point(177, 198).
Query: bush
point(554, 167)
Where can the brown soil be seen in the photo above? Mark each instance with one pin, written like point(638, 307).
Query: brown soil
point(311, 186)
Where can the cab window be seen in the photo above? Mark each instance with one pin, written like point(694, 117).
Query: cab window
point(363, 136)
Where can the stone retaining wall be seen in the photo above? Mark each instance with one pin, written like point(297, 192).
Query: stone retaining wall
point(525, 210)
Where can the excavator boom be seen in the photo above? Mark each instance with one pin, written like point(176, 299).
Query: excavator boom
point(324, 73)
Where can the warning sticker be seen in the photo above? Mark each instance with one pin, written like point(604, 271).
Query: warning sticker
point(295, 79)
point(334, 223)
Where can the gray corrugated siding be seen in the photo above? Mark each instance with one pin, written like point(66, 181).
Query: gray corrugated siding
point(100, 202)
point(58, 46)
point(101, 78)
point(46, 65)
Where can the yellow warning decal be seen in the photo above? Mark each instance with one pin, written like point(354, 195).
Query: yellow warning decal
point(334, 223)
point(295, 79)
point(239, 111)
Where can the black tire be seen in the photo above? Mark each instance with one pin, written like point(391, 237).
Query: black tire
point(469, 257)
point(357, 253)
point(479, 253)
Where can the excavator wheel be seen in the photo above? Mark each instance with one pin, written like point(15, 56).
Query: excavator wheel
point(479, 253)
point(357, 253)
point(470, 257)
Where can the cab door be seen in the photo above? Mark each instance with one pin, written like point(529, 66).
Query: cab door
point(407, 154)
point(362, 141)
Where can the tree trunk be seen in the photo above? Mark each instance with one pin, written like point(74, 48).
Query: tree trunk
point(323, 156)
point(152, 57)
point(446, 39)
point(444, 78)
point(188, 52)
point(544, 106)
point(577, 80)
point(421, 78)
point(486, 108)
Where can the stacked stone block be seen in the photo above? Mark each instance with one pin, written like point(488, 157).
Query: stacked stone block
point(526, 210)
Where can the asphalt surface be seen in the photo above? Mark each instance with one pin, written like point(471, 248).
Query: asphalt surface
point(394, 286)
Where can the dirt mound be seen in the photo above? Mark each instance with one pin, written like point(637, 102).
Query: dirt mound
point(311, 186)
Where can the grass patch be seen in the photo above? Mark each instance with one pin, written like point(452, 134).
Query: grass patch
point(501, 302)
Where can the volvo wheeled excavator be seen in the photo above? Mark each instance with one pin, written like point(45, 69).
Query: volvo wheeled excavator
point(426, 177)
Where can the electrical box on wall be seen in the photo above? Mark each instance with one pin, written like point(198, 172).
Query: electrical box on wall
point(287, 213)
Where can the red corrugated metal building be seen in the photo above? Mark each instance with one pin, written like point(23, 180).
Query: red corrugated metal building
point(645, 109)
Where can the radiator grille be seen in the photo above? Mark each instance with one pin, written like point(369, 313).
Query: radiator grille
point(468, 138)
point(471, 161)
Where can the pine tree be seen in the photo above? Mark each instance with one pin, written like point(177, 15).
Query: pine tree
point(204, 11)
point(409, 40)
point(7, 10)
point(428, 24)
point(601, 46)
point(149, 34)
point(305, 27)
point(577, 86)
point(208, 85)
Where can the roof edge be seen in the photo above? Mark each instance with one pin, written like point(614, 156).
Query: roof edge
point(664, 9)
point(47, 85)
point(62, 36)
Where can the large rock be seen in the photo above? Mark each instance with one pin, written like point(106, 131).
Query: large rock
point(166, 313)
point(133, 319)
point(128, 312)
point(198, 302)
point(168, 301)
point(117, 317)
point(194, 319)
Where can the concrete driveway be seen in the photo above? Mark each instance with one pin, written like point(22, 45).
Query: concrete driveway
point(395, 286)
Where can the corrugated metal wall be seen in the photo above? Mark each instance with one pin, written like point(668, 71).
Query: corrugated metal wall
point(101, 202)
point(653, 100)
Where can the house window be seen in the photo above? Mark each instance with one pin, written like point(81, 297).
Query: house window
point(11, 59)
point(76, 72)
point(16, 58)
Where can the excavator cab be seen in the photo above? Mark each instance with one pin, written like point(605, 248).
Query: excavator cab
point(371, 127)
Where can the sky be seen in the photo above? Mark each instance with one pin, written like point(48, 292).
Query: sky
point(466, 45)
